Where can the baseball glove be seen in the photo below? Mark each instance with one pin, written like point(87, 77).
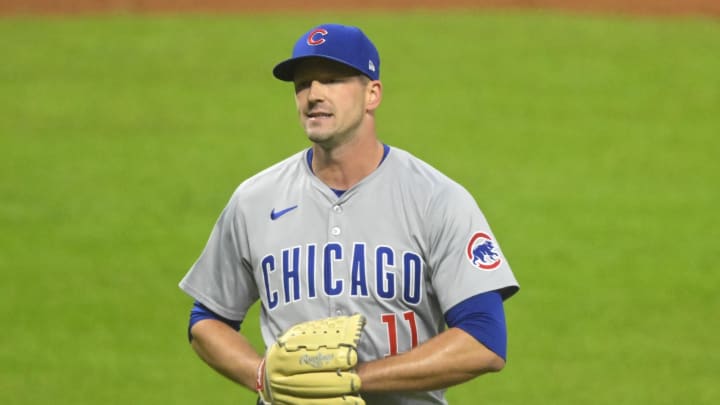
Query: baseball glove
point(313, 363)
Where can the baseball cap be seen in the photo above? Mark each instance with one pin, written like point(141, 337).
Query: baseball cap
point(341, 43)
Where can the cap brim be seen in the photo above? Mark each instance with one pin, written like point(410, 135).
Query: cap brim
point(285, 70)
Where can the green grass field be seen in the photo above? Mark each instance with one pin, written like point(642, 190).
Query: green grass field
point(591, 144)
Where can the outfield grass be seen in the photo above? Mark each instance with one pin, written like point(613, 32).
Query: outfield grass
point(590, 142)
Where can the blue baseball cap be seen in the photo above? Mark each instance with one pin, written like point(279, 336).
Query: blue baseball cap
point(341, 43)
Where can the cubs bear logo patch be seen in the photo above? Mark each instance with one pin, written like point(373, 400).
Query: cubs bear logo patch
point(482, 252)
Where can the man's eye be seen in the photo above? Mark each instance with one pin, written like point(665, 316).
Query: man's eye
point(301, 86)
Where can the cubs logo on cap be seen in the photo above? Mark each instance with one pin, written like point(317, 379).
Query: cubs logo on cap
point(316, 37)
point(341, 43)
point(482, 252)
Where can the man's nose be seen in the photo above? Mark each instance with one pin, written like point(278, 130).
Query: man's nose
point(316, 91)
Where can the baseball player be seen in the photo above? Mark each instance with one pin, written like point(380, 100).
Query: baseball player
point(395, 254)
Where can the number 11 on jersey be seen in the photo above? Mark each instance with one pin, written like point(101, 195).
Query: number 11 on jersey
point(390, 320)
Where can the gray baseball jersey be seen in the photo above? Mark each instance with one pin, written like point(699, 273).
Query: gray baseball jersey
point(401, 247)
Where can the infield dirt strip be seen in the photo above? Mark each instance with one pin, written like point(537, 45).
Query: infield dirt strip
point(650, 7)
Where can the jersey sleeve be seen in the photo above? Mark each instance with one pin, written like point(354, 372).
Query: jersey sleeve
point(482, 317)
point(466, 258)
point(220, 278)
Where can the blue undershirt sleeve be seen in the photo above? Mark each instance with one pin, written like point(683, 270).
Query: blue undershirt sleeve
point(200, 312)
point(483, 317)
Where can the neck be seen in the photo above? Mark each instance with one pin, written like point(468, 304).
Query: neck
point(343, 166)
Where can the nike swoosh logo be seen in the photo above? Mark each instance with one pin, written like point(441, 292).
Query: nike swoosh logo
point(277, 214)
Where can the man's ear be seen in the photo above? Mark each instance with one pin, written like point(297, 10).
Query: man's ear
point(373, 95)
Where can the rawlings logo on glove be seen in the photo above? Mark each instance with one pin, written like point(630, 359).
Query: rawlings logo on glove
point(313, 363)
point(316, 361)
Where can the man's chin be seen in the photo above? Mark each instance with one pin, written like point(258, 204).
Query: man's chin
point(318, 137)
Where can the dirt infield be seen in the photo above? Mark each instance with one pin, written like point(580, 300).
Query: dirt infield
point(644, 7)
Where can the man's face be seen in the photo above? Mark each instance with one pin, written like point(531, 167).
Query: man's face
point(331, 100)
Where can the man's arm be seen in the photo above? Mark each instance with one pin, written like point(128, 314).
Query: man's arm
point(226, 351)
point(450, 358)
point(474, 343)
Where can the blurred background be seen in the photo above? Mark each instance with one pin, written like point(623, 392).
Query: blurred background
point(587, 131)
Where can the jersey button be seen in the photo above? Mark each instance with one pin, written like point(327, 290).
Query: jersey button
point(335, 231)
point(338, 209)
